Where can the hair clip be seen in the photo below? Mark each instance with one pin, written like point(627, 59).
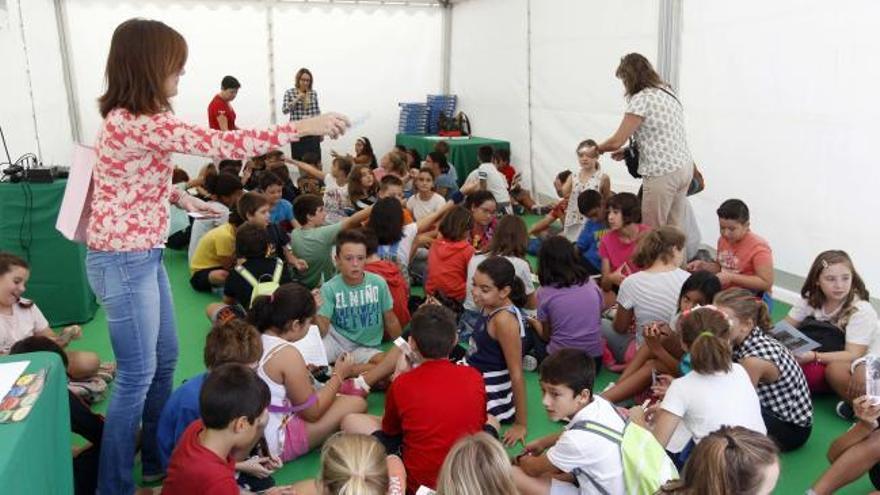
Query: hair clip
point(824, 264)
point(706, 333)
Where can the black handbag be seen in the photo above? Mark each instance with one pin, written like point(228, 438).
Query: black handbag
point(631, 158)
point(829, 336)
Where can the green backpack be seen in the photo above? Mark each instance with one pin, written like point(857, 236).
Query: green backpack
point(646, 466)
point(262, 288)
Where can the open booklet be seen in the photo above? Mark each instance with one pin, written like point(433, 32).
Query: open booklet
point(793, 339)
point(312, 347)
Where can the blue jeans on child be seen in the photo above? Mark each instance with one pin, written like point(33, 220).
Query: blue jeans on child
point(134, 290)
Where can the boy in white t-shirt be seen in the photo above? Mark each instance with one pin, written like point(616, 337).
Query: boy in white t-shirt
point(551, 464)
point(490, 179)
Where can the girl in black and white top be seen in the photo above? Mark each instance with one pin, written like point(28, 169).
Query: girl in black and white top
point(782, 388)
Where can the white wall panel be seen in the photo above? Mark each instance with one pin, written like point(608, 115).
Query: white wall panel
point(364, 58)
point(34, 49)
point(576, 47)
point(779, 114)
point(488, 72)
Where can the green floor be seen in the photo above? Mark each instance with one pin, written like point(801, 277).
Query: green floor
point(800, 468)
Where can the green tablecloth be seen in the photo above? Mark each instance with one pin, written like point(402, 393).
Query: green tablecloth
point(462, 152)
point(58, 282)
point(35, 454)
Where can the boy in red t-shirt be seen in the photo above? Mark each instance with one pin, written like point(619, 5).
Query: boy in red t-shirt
point(221, 116)
point(743, 259)
point(501, 159)
point(233, 403)
point(430, 407)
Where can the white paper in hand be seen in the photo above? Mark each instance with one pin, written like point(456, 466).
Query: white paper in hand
point(312, 347)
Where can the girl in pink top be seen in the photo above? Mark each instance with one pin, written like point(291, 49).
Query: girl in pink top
point(618, 245)
point(128, 221)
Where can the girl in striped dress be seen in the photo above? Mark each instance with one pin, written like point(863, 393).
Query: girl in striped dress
point(496, 346)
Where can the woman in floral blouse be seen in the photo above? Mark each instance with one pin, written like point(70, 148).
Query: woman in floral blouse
point(129, 220)
point(301, 102)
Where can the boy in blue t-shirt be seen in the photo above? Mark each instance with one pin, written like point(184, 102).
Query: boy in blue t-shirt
point(232, 342)
point(280, 209)
point(357, 305)
point(590, 206)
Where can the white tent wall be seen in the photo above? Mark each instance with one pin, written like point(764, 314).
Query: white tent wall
point(33, 106)
point(576, 46)
point(361, 57)
point(778, 114)
point(489, 73)
point(365, 60)
point(223, 38)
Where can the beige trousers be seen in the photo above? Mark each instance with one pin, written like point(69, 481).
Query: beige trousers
point(663, 197)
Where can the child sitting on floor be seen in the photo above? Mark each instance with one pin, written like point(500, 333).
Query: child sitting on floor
point(854, 453)
point(336, 200)
point(782, 388)
point(483, 207)
point(425, 201)
point(662, 354)
point(449, 256)
point(496, 346)
point(390, 271)
point(254, 208)
point(510, 241)
point(595, 227)
point(253, 267)
point(835, 311)
point(419, 415)
point(233, 342)
point(619, 243)
point(584, 454)
point(501, 159)
point(717, 392)
point(476, 465)
point(21, 318)
point(588, 176)
point(214, 256)
point(280, 210)
point(651, 295)
point(732, 460)
point(353, 464)
point(225, 189)
point(300, 417)
point(569, 302)
point(357, 307)
point(743, 259)
point(314, 241)
point(362, 188)
point(233, 406)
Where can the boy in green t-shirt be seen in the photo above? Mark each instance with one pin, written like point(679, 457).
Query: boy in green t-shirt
point(357, 305)
point(313, 242)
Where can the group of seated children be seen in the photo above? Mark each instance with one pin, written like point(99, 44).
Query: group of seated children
point(692, 339)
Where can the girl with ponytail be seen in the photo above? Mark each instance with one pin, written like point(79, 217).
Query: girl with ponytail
point(782, 387)
point(730, 461)
point(300, 418)
point(354, 464)
point(717, 392)
point(496, 346)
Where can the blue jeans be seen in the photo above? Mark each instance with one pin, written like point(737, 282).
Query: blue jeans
point(133, 288)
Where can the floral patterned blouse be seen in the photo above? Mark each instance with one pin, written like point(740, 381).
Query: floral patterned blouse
point(132, 177)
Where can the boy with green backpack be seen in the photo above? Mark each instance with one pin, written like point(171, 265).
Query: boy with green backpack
point(255, 274)
point(599, 452)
